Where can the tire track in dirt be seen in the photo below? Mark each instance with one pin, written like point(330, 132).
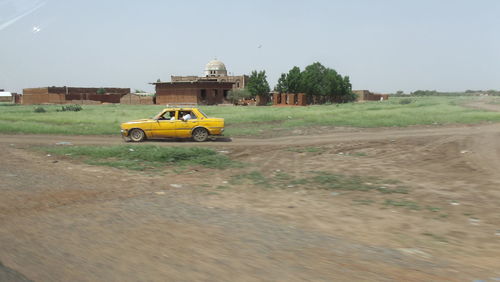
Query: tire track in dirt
point(327, 138)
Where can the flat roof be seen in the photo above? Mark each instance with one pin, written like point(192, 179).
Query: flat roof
point(193, 82)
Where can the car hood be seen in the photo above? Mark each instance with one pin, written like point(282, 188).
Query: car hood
point(140, 121)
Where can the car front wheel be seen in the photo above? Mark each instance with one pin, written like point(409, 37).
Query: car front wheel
point(200, 134)
point(137, 135)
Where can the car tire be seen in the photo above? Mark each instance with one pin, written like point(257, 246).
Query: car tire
point(200, 134)
point(137, 135)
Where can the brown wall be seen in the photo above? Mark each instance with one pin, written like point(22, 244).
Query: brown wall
point(41, 90)
point(65, 95)
point(289, 99)
point(31, 99)
point(365, 95)
point(191, 93)
point(133, 99)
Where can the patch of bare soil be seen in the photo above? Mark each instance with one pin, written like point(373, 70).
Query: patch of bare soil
point(424, 207)
point(485, 103)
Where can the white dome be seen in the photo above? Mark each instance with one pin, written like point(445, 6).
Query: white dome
point(215, 68)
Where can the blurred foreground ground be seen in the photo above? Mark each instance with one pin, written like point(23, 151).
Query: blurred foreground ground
point(66, 221)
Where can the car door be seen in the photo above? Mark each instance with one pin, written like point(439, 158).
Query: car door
point(183, 128)
point(164, 127)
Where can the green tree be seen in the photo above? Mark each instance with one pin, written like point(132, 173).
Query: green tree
point(314, 81)
point(293, 80)
point(290, 82)
point(235, 95)
point(257, 84)
point(101, 91)
point(324, 84)
point(282, 87)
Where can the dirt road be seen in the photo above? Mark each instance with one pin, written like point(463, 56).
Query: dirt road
point(66, 221)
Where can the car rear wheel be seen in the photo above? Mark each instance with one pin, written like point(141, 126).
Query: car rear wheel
point(137, 135)
point(200, 134)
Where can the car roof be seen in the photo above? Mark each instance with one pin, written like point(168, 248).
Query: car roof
point(179, 109)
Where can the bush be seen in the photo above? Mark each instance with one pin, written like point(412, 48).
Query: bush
point(101, 91)
point(70, 108)
point(39, 110)
point(405, 101)
point(235, 95)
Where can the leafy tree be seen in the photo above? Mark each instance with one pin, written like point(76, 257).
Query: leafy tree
point(257, 84)
point(293, 80)
point(314, 81)
point(235, 95)
point(290, 82)
point(101, 91)
point(282, 86)
point(321, 84)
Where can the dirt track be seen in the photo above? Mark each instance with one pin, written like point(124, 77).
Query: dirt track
point(66, 221)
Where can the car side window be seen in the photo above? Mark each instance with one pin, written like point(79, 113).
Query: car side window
point(170, 115)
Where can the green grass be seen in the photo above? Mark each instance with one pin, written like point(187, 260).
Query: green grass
point(435, 237)
point(403, 203)
point(320, 180)
point(142, 157)
point(307, 150)
point(105, 119)
point(253, 177)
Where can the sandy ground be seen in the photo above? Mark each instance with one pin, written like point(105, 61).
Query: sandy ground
point(62, 220)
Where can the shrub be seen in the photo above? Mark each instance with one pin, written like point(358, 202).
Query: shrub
point(101, 91)
point(39, 110)
point(238, 94)
point(71, 108)
point(405, 101)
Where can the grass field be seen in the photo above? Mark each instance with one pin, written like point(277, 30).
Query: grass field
point(240, 121)
point(143, 157)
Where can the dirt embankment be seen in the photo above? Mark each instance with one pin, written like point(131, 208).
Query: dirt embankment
point(62, 220)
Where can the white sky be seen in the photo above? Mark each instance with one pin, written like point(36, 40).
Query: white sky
point(383, 45)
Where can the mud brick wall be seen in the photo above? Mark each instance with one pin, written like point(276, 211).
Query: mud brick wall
point(365, 95)
point(33, 99)
point(301, 99)
point(276, 99)
point(191, 93)
point(17, 98)
point(289, 99)
point(41, 90)
point(83, 102)
point(132, 99)
point(59, 95)
point(93, 90)
point(261, 100)
point(283, 99)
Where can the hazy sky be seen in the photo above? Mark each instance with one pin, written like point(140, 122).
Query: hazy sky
point(384, 45)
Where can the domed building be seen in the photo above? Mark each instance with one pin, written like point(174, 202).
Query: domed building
point(210, 89)
point(215, 68)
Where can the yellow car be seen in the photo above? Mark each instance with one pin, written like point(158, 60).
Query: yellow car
point(174, 123)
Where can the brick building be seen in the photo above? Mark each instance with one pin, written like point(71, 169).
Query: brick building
point(5, 96)
point(201, 92)
point(210, 89)
point(72, 95)
point(215, 70)
point(365, 95)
